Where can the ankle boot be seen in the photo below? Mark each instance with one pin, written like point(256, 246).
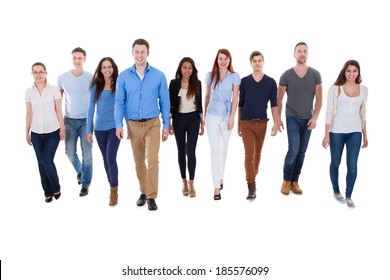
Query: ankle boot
point(113, 196)
point(191, 187)
point(251, 191)
point(295, 188)
point(185, 187)
point(286, 187)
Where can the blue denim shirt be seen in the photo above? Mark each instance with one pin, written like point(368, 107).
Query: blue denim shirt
point(221, 96)
point(140, 99)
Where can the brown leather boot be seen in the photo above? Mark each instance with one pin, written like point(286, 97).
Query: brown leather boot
point(191, 188)
point(113, 196)
point(286, 187)
point(295, 188)
point(185, 187)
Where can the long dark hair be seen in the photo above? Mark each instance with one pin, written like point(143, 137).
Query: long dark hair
point(98, 78)
point(215, 77)
point(194, 85)
point(341, 78)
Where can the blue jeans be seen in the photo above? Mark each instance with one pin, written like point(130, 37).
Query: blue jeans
point(353, 142)
point(108, 145)
point(298, 140)
point(45, 147)
point(76, 128)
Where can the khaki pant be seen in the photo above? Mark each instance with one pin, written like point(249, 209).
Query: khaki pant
point(145, 143)
point(253, 134)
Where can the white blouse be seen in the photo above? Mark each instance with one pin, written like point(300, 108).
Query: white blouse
point(44, 118)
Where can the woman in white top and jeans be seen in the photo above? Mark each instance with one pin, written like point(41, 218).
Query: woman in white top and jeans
point(345, 125)
point(45, 122)
point(222, 87)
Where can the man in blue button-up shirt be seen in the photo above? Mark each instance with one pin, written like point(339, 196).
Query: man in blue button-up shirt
point(141, 95)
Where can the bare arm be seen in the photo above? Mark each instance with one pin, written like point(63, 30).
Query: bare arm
point(326, 140)
point(201, 128)
point(206, 101)
point(364, 128)
point(119, 133)
point(164, 134)
point(60, 117)
point(365, 139)
point(29, 115)
point(317, 107)
point(281, 92)
point(276, 119)
point(239, 109)
point(236, 89)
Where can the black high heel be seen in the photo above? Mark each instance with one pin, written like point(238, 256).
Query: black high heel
point(221, 187)
point(57, 196)
point(48, 199)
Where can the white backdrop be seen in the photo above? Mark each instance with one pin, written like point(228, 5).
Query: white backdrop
point(297, 237)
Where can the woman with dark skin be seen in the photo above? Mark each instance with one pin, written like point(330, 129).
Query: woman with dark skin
point(187, 119)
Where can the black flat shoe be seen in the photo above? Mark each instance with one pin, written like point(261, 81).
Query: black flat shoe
point(79, 178)
point(141, 200)
point(217, 196)
point(152, 204)
point(49, 199)
point(83, 192)
point(57, 196)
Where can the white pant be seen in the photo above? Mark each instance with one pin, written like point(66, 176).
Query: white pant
point(218, 136)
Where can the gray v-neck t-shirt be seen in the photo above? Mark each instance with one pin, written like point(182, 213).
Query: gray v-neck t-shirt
point(300, 92)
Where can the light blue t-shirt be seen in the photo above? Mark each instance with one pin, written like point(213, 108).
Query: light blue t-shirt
point(221, 96)
point(76, 93)
point(103, 119)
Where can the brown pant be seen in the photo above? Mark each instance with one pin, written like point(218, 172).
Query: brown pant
point(253, 134)
point(145, 143)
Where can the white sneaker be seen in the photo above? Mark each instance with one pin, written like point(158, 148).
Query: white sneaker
point(339, 198)
point(350, 203)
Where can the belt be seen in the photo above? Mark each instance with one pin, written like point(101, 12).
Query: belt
point(259, 120)
point(142, 120)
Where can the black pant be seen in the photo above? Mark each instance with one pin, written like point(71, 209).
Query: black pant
point(186, 128)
